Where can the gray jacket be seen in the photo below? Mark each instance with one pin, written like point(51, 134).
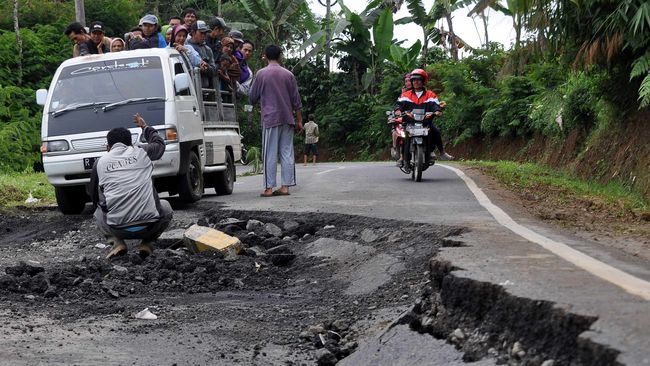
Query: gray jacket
point(206, 55)
point(121, 182)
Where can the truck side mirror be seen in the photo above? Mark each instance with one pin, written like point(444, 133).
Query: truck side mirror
point(41, 96)
point(181, 82)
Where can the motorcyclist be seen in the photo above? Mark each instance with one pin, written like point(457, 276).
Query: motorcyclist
point(407, 86)
point(418, 97)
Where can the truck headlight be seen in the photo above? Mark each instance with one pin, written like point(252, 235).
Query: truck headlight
point(54, 146)
point(167, 134)
point(170, 134)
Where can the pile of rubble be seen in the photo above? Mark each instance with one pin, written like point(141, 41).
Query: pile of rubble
point(230, 254)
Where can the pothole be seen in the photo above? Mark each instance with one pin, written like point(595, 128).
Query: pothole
point(310, 277)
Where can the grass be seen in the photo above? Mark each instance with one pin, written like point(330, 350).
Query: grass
point(561, 186)
point(16, 187)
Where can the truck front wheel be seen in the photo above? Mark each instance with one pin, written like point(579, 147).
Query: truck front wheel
point(71, 200)
point(190, 185)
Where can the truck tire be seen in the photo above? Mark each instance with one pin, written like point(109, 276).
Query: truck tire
point(190, 184)
point(71, 200)
point(225, 181)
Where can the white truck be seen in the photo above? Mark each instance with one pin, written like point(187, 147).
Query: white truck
point(90, 95)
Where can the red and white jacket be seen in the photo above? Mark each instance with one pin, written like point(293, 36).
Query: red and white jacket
point(410, 100)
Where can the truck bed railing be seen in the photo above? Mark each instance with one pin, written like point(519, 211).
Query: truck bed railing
point(219, 107)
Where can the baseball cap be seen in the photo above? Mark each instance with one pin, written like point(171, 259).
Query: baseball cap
point(237, 36)
point(200, 26)
point(149, 19)
point(96, 26)
point(217, 22)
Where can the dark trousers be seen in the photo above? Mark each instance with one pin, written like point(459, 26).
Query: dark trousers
point(435, 139)
point(150, 231)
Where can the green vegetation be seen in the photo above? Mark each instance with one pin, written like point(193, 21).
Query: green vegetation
point(16, 187)
point(569, 72)
point(561, 187)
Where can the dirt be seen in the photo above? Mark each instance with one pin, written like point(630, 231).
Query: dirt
point(279, 302)
point(613, 226)
point(619, 153)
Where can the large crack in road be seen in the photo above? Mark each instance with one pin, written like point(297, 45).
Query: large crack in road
point(303, 291)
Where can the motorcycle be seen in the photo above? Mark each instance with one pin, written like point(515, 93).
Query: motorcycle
point(410, 133)
point(244, 152)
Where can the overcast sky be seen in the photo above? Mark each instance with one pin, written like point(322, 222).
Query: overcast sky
point(499, 26)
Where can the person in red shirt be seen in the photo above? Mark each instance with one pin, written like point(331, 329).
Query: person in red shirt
point(418, 97)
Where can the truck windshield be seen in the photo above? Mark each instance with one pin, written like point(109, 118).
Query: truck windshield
point(81, 90)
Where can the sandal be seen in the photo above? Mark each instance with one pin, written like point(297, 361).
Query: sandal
point(280, 193)
point(119, 249)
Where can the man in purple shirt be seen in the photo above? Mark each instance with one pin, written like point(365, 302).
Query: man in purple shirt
point(277, 90)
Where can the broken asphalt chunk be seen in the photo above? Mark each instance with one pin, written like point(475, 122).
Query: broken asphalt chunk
point(202, 238)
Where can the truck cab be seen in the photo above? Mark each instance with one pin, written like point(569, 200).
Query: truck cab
point(90, 95)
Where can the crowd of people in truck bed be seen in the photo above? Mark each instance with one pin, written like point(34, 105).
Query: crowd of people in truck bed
point(209, 46)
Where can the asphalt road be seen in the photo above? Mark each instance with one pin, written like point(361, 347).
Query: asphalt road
point(582, 277)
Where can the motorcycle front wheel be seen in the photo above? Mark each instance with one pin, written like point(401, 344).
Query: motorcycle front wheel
point(419, 161)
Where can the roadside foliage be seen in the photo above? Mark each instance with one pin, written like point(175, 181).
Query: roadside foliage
point(574, 66)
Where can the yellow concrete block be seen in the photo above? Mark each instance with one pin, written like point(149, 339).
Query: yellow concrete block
point(201, 238)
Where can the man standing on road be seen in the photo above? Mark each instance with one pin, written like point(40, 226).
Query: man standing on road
point(127, 204)
point(311, 139)
point(277, 89)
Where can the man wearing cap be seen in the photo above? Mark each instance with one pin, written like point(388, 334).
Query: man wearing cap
point(217, 29)
point(100, 43)
point(207, 67)
point(151, 38)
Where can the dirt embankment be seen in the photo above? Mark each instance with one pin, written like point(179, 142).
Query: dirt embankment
point(619, 152)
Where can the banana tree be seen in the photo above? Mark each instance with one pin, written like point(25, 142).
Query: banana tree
point(405, 59)
point(365, 38)
point(270, 16)
point(427, 20)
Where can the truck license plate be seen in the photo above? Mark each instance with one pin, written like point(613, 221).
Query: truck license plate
point(89, 162)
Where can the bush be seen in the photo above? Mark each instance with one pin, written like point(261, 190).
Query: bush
point(508, 115)
point(44, 48)
point(19, 129)
point(545, 111)
point(581, 96)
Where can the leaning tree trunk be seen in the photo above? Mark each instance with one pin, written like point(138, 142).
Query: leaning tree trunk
point(425, 48)
point(452, 35)
point(485, 27)
point(19, 43)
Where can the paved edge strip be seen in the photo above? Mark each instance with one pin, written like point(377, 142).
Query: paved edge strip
point(624, 280)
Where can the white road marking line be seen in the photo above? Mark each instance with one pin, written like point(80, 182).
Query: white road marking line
point(624, 280)
point(330, 170)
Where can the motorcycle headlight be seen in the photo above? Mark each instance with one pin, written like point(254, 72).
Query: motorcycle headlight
point(54, 146)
